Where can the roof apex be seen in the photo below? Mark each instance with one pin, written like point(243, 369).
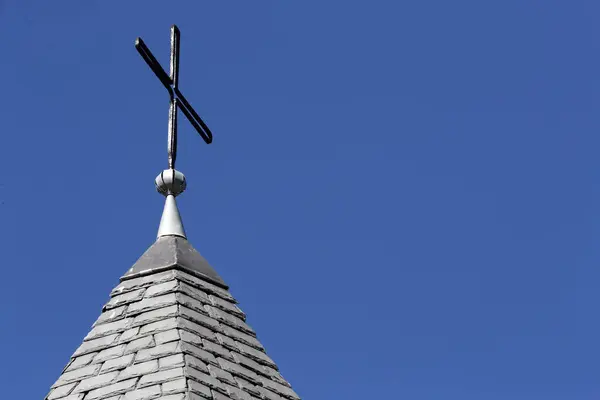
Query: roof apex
point(173, 252)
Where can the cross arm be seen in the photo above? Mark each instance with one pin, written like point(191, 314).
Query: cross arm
point(153, 64)
point(194, 118)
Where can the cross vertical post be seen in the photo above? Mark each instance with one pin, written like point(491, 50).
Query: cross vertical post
point(172, 137)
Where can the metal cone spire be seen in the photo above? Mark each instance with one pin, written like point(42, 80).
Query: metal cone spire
point(170, 183)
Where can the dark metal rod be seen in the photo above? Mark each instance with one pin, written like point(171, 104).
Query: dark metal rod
point(206, 135)
point(153, 63)
point(194, 118)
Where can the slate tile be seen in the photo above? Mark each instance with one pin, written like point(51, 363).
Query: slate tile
point(205, 379)
point(80, 361)
point(175, 386)
point(256, 355)
point(204, 285)
point(176, 360)
point(178, 396)
point(251, 364)
point(151, 303)
point(95, 382)
point(149, 393)
point(200, 354)
point(162, 288)
point(195, 396)
point(238, 370)
point(138, 344)
point(216, 349)
point(129, 334)
point(166, 336)
point(110, 353)
point(117, 363)
point(268, 395)
point(142, 282)
point(113, 389)
point(109, 328)
point(221, 375)
point(200, 389)
point(229, 319)
point(242, 337)
point(77, 374)
point(155, 315)
point(202, 319)
point(96, 344)
point(275, 375)
point(78, 396)
point(136, 370)
point(61, 391)
point(236, 393)
point(219, 396)
point(279, 389)
point(188, 337)
point(196, 363)
point(193, 292)
point(125, 298)
point(195, 328)
point(160, 377)
point(226, 342)
point(111, 315)
point(159, 351)
point(191, 303)
point(247, 386)
point(227, 306)
point(159, 326)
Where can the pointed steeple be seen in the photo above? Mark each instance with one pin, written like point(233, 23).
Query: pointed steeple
point(171, 330)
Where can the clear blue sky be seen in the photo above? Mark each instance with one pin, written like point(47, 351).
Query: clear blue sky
point(403, 196)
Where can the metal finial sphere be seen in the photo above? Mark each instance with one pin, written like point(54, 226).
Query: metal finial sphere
point(170, 181)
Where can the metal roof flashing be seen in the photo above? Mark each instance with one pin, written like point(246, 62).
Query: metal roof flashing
point(174, 252)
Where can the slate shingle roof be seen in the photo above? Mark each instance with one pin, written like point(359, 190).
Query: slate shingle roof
point(170, 332)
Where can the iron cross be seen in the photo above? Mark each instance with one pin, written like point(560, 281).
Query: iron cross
point(177, 100)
